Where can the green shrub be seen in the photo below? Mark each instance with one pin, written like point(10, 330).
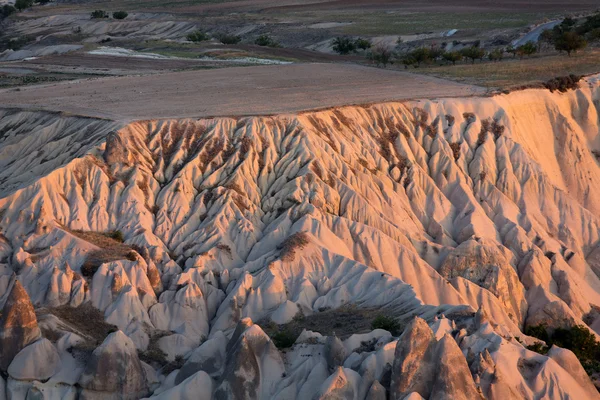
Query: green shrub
point(537, 331)
point(343, 45)
point(388, 323)
point(116, 235)
point(539, 347)
point(569, 42)
point(473, 53)
point(577, 338)
point(230, 39)
point(120, 14)
point(23, 4)
point(526, 49)
point(7, 10)
point(284, 339)
point(266, 40)
point(198, 36)
point(381, 55)
point(362, 44)
point(452, 56)
point(98, 14)
point(496, 55)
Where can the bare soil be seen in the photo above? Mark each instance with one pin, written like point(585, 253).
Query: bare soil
point(262, 90)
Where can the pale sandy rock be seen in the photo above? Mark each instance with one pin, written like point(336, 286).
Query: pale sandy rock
point(209, 357)
point(255, 354)
point(18, 325)
point(342, 384)
point(198, 386)
point(335, 352)
point(484, 264)
point(569, 362)
point(414, 361)
point(38, 361)
point(452, 376)
point(376, 392)
point(114, 369)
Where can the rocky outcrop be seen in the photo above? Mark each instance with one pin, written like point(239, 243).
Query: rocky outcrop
point(483, 263)
point(433, 369)
point(467, 213)
point(414, 361)
point(253, 365)
point(38, 361)
point(18, 325)
point(114, 371)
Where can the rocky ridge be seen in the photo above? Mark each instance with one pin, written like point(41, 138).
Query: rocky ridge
point(466, 220)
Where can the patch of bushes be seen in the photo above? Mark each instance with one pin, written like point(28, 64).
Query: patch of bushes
point(473, 53)
point(23, 4)
point(198, 36)
point(120, 14)
point(563, 83)
point(6, 10)
point(229, 39)
point(526, 49)
point(455, 150)
point(363, 44)
point(96, 14)
point(577, 338)
point(381, 55)
point(288, 248)
point(284, 339)
point(13, 43)
point(116, 235)
point(387, 323)
point(266, 40)
point(87, 320)
point(452, 56)
point(343, 45)
point(346, 45)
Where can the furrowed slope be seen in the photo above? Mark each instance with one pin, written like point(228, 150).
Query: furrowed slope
point(478, 215)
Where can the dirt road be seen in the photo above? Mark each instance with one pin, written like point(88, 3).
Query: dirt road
point(232, 91)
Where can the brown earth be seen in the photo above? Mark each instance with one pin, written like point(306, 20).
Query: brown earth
point(259, 90)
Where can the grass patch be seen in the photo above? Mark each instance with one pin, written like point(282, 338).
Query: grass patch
point(513, 72)
point(390, 324)
point(87, 320)
point(341, 322)
point(111, 246)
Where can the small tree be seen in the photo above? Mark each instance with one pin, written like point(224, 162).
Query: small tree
point(362, 44)
point(98, 14)
point(452, 56)
point(547, 36)
point(473, 53)
point(120, 14)
point(381, 55)
point(569, 42)
point(408, 60)
point(230, 39)
point(343, 45)
point(23, 4)
point(511, 50)
point(7, 10)
point(526, 49)
point(421, 55)
point(266, 40)
point(496, 55)
point(197, 36)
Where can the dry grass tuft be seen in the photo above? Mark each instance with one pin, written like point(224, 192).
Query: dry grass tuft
point(295, 242)
point(455, 150)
